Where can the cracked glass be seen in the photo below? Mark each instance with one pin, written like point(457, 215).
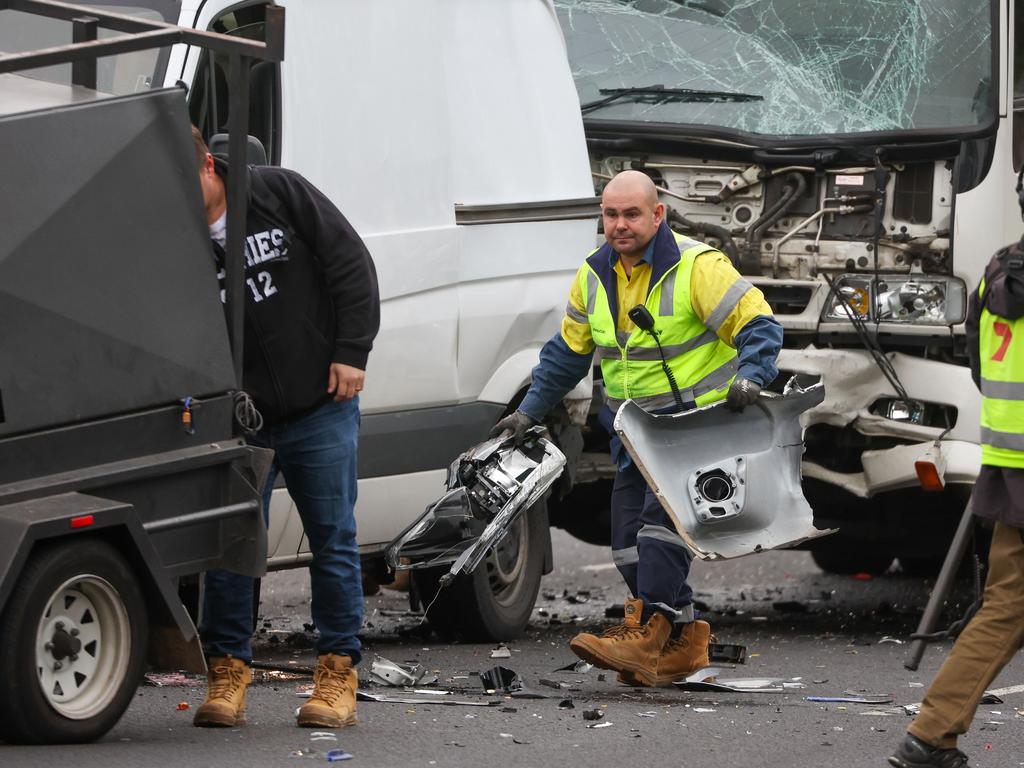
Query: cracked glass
point(783, 67)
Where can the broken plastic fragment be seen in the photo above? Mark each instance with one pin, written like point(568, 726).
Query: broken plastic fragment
point(580, 666)
point(592, 714)
point(386, 672)
point(337, 755)
point(707, 680)
point(501, 652)
point(507, 681)
point(866, 698)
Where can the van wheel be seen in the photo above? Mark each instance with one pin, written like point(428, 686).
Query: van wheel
point(494, 603)
point(75, 633)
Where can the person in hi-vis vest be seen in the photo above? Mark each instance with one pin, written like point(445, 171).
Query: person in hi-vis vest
point(719, 341)
point(995, 345)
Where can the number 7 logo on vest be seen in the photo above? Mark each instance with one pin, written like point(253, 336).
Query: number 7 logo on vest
point(1004, 332)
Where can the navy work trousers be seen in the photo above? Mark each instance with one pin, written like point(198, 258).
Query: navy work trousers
point(317, 456)
point(652, 558)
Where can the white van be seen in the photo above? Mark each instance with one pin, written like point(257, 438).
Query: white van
point(449, 134)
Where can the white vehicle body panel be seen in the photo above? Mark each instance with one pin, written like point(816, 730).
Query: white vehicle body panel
point(399, 124)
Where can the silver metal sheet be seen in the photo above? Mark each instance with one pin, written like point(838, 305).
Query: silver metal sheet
point(729, 481)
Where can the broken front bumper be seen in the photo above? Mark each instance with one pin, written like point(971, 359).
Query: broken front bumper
point(729, 481)
point(854, 386)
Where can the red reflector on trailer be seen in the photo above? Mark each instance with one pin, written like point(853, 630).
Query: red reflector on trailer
point(929, 477)
point(82, 522)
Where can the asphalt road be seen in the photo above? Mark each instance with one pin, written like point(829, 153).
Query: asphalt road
point(824, 632)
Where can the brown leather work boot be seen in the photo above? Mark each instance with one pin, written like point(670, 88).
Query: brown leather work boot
point(681, 657)
point(226, 681)
point(333, 704)
point(627, 647)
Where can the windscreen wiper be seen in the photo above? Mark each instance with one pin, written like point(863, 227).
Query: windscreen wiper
point(659, 94)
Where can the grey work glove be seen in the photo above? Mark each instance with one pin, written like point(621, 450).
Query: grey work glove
point(742, 393)
point(516, 423)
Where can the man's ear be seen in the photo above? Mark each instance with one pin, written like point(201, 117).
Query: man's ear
point(659, 213)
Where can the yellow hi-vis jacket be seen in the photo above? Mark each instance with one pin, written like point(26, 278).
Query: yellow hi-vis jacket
point(1001, 352)
point(697, 344)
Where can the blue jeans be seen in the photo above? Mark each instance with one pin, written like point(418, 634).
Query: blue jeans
point(317, 456)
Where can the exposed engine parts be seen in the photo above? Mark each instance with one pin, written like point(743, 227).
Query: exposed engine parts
point(796, 221)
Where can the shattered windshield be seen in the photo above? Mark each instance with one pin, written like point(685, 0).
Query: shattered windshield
point(815, 66)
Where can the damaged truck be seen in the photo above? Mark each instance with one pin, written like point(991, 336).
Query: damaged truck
point(858, 166)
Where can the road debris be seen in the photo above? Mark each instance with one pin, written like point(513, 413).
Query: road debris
point(707, 680)
point(606, 724)
point(505, 680)
point(704, 710)
point(171, 679)
point(182, 706)
point(890, 640)
point(592, 714)
point(566, 704)
point(850, 697)
point(501, 652)
point(389, 673)
point(322, 736)
point(727, 653)
point(443, 700)
point(581, 667)
point(337, 755)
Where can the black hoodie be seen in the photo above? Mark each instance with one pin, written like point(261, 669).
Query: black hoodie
point(999, 491)
point(311, 293)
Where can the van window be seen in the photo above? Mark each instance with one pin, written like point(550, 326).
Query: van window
point(208, 97)
point(120, 75)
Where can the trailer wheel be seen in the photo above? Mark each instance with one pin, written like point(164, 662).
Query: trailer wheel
point(494, 603)
point(75, 635)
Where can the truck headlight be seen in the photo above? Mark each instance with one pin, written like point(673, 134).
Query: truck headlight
point(913, 299)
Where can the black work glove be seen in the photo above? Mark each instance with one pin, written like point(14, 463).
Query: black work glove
point(742, 393)
point(516, 423)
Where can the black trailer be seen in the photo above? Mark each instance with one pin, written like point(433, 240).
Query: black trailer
point(122, 463)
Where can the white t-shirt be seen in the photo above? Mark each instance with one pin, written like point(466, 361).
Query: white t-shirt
point(219, 230)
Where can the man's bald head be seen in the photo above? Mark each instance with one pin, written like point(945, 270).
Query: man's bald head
point(634, 183)
point(631, 213)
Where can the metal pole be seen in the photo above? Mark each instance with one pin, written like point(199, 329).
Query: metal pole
point(943, 585)
point(237, 193)
point(83, 72)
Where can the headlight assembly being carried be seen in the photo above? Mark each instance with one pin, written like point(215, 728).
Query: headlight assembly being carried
point(489, 487)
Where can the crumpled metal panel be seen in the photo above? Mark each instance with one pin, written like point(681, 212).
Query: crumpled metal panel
point(729, 481)
point(489, 487)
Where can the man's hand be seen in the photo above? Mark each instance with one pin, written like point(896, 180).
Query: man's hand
point(742, 393)
point(516, 423)
point(344, 381)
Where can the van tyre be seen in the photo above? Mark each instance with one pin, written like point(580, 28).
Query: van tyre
point(494, 603)
point(77, 629)
point(842, 555)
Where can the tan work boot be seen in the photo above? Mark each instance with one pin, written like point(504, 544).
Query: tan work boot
point(226, 681)
point(680, 658)
point(628, 647)
point(333, 703)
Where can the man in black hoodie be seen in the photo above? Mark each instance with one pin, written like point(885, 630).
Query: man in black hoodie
point(311, 313)
point(995, 343)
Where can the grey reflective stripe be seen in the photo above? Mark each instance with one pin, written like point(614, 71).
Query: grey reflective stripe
point(727, 304)
point(575, 314)
point(668, 292)
point(622, 337)
point(1002, 390)
point(608, 353)
point(1013, 441)
point(651, 403)
point(661, 534)
point(591, 292)
point(716, 379)
point(672, 350)
point(682, 615)
point(625, 556)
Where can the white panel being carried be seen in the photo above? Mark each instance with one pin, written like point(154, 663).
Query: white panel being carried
point(729, 481)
